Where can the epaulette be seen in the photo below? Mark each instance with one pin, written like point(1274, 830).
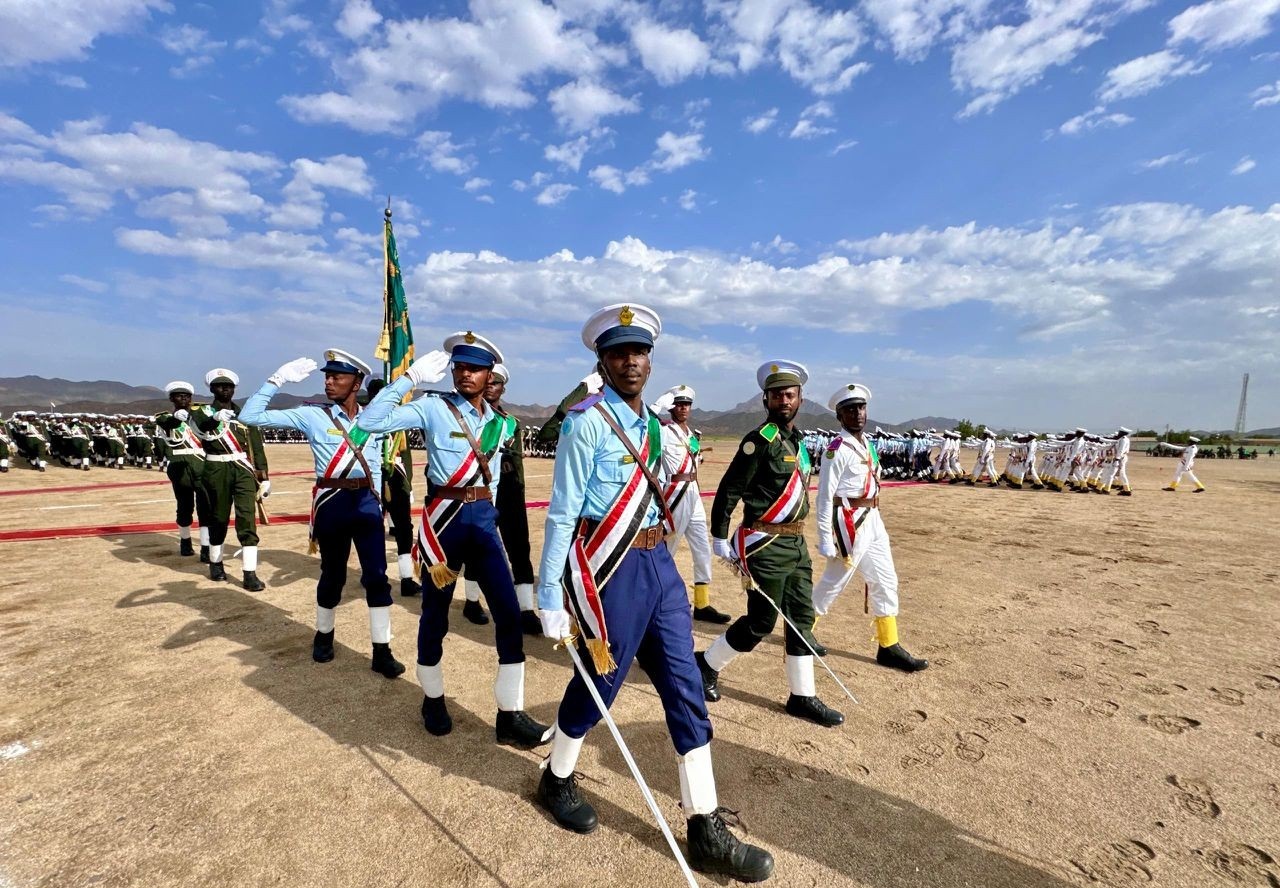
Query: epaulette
point(587, 403)
point(835, 444)
point(768, 431)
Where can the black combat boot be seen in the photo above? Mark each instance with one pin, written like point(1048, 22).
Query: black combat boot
point(322, 647)
point(814, 710)
point(409, 588)
point(435, 716)
point(217, 572)
point(559, 795)
point(818, 647)
point(475, 613)
point(517, 729)
point(710, 679)
point(530, 623)
point(895, 656)
point(185, 547)
point(709, 614)
point(252, 583)
point(204, 554)
point(384, 663)
point(716, 851)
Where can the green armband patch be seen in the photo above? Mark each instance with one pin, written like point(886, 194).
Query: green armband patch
point(769, 431)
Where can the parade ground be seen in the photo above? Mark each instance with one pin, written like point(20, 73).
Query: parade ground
point(1102, 706)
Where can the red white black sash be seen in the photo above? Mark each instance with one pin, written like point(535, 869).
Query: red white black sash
point(785, 509)
point(676, 492)
point(845, 521)
point(340, 466)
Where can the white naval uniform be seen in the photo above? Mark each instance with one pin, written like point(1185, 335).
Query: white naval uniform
point(986, 462)
point(953, 459)
point(1119, 464)
point(1186, 464)
point(689, 514)
point(847, 472)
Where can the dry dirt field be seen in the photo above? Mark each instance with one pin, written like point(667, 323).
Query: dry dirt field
point(1103, 707)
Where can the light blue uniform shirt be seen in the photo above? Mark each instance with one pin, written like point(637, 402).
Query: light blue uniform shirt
point(447, 447)
point(315, 421)
point(589, 475)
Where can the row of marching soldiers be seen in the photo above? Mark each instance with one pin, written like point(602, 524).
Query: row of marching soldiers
point(80, 440)
point(625, 491)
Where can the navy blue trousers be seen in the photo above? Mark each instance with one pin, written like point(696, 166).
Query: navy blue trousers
point(351, 516)
point(471, 541)
point(646, 612)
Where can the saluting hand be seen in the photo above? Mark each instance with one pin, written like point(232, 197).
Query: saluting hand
point(181, 415)
point(225, 415)
point(295, 371)
point(593, 381)
point(429, 368)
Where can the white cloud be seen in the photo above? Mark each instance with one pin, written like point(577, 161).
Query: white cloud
point(1219, 24)
point(569, 154)
point(807, 127)
point(485, 198)
point(689, 200)
point(669, 54)
point(193, 44)
point(554, 194)
point(816, 48)
point(913, 26)
point(1244, 165)
point(581, 104)
point(358, 18)
point(777, 245)
point(1266, 95)
point(84, 283)
point(609, 178)
point(757, 125)
point(1180, 157)
point(401, 68)
point(442, 154)
point(1140, 76)
point(843, 146)
point(70, 81)
point(674, 152)
point(1095, 118)
point(304, 204)
point(52, 30)
point(476, 184)
point(535, 181)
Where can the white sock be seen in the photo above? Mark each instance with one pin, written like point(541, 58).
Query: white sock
point(380, 624)
point(405, 563)
point(249, 555)
point(184, 533)
point(431, 679)
point(326, 617)
point(508, 689)
point(697, 782)
point(471, 590)
point(564, 752)
point(204, 536)
point(524, 595)
point(215, 554)
point(800, 676)
point(720, 654)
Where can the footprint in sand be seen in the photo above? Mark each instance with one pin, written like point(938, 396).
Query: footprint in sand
point(1239, 863)
point(1020, 596)
point(924, 756)
point(1075, 673)
point(1117, 863)
point(1063, 632)
point(969, 748)
point(1229, 696)
point(1268, 683)
point(907, 723)
point(1196, 798)
point(1102, 708)
point(1270, 736)
point(1115, 646)
point(1151, 627)
point(1169, 724)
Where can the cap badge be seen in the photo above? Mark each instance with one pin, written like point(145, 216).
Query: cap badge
point(626, 316)
point(470, 338)
point(773, 368)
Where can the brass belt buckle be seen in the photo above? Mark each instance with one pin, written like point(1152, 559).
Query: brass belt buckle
point(469, 495)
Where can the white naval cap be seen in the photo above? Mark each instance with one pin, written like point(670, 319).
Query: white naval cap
point(465, 347)
point(852, 392)
point(500, 371)
point(221, 374)
point(781, 374)
point(1080, 430)
point(339, 361)
point(677, 394)
point(1194, 440)
point(988, 434)
point(1122, 431)
point(179, 385)
point(621, 324)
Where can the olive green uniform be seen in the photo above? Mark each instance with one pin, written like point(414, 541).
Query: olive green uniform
point(230, 478)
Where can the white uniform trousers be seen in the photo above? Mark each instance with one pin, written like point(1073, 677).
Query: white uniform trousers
point(873, 560)
point(1182, 470)
point(986, 466)
point(1119, 472)
point(691, 523)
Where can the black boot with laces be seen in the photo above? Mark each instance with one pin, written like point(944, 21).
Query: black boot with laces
point(715, 850)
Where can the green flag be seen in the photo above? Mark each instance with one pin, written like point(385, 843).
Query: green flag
point(395, 345)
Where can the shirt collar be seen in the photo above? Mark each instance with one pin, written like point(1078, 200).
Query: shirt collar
point(622, 410)
point(467, 407)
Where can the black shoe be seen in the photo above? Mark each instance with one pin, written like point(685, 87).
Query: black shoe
point(715, 850)
point(530, 623)
point(384, 663)
point(217, 572)
point(814, 710)
point(1126, 493)
point(409, 588)
point(1199, 490)
point(709, 614)
point(970, 482)
point(322, 647)
point(895, 656)
point(475, 613)
point(252, 583)
point(710, 679)
point(185, 547)
point(559, 795)
point(1037, 487)
point(204, 554)
point(518, 729)
point(435, 717)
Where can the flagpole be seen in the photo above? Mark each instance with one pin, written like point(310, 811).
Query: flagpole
point(386, 296)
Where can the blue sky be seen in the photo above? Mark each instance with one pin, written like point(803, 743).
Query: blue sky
point(1036, 213)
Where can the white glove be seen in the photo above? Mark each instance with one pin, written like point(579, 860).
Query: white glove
point(294, 371)
point(225, 415)
point(181, 415)
point(428, 368)
point(593, 381)
point(264, 489)
point(664, 403)
point(827, 549)
point(555, 624)
point(722, 549)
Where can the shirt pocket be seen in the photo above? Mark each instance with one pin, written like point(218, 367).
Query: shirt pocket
point(614, 471)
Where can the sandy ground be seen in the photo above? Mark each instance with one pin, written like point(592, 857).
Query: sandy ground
point(1103, 706)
